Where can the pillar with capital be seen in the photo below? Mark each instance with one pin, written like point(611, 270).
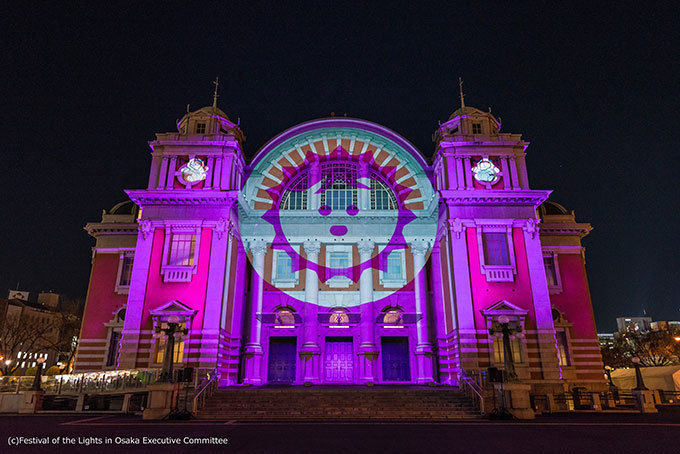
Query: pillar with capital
point(310, 351)
point(253, 350)
point(368, 351)
point(423, 345)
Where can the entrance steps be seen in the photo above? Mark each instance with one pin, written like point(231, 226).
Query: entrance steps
point(347, 403)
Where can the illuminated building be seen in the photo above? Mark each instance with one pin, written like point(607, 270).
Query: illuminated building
point(339, 253)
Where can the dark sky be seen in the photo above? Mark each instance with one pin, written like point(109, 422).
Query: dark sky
point(596, 93)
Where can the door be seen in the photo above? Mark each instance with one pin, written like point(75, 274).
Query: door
point(339, 360)
point(282, 359)
point(395, 359)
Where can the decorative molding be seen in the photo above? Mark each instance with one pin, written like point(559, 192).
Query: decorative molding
point(531, 227)
point(456, 225)
point(420, 247)
point(145, 227)
point(495, 197)
point(365, 247)
point(257, 247)
point(202, 197)
point(312, 247)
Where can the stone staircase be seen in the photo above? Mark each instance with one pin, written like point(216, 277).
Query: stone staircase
point(332, 403)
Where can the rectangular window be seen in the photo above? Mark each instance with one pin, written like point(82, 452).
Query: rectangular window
point(393, 268)
point(562, 348)
point(114, 344)
point(337, 263)
point(178, 350)
point(200, 128)
point(476, 128)
point(126, 271)
point(550, 271)
point(182, 249)
point(284, 267)
point(496, 249)
point(499, 353)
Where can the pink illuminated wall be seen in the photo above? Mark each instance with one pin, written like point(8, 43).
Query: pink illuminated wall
point(191, 294)
point(486, 294)
point(102, 299)
point(574, 301)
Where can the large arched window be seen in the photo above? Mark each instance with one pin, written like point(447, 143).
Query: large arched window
point(295, 197)
point(339, 189)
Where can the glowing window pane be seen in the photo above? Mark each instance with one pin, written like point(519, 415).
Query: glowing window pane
point(126, 271)
point(337, 263)
point(499, 354)
point(182, 249)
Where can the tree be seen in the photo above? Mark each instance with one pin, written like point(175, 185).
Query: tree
point(20, 335)
point(655, 348)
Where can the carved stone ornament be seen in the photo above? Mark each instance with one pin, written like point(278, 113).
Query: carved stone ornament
point(222, 226)
point(420, 247)
point(365, 247)
point(457, 227)
point(258, 247)
point(145, 227)
point(531, 227)
point(312, 247)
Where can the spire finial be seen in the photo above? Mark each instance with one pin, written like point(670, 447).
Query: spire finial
point(462, 96)
point(216, 82)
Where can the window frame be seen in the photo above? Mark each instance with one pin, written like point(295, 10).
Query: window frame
point(389, 282)
point(339, 281)
point(124, 254)
point(201, 125)
point(284, 283)
point(557, 287)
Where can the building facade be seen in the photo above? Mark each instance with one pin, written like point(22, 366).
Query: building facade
point(339, 254)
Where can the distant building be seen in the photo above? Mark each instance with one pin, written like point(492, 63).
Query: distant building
point(29, 331)
point(633, 324)
point(606, 339)
point(665, 326)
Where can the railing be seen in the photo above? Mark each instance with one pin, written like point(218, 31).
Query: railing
point(473, 388)
point(669, 397)
point(203, 390)
point(93, 382)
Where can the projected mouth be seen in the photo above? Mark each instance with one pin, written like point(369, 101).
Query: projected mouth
point(338, 230)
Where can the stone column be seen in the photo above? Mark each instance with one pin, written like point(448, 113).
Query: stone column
point(313, 196)
point(310, 351)
point(545, 329)
point(423, 345)
point(253, 351)
point(368, 351)
point(364, 179)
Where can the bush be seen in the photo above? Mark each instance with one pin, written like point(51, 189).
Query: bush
point(54, 370)
point(31, 371)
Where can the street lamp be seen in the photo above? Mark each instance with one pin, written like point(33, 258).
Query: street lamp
point(173, 331)
point(38, 373)
point(639, 383)
point(506, 332)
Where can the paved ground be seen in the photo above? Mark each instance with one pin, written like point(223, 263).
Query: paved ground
point(573, 433)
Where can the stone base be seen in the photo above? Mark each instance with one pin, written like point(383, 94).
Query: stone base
point(32, 401)
point(516, 399)
point(644, 401)
point(161, 400)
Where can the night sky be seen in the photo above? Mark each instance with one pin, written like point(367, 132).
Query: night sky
point(595, 92)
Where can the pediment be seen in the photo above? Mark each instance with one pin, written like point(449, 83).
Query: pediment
point(173, 307)
point(504, 307)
